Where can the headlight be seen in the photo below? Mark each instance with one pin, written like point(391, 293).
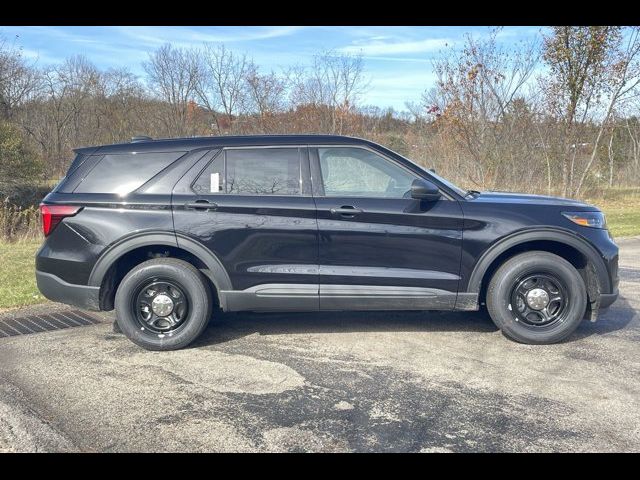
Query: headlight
point(587, 219)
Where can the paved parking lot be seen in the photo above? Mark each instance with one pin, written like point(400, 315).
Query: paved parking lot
point(330, 382)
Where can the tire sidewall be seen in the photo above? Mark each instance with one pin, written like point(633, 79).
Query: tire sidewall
point(194, 288)
point(504, 280)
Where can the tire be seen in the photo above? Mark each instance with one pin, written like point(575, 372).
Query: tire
point(522, 277)
point(189, 296)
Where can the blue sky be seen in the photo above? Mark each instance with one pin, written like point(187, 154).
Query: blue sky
point(398, 60)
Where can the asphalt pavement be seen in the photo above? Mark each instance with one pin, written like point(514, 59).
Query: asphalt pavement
point(388, 381)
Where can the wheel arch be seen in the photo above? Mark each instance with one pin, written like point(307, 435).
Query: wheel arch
point(563, 243)
point(103, 270)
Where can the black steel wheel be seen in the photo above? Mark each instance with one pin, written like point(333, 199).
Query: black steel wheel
point(536, 297)
point(539, 300)
point(163, 304)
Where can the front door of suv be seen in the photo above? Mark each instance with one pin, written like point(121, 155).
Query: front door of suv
point(379, 248)
point(252, 208)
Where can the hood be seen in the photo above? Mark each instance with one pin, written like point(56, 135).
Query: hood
point(524, 198)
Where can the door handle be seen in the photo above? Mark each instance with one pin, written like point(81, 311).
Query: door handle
point(346, 211)
point(201, 205)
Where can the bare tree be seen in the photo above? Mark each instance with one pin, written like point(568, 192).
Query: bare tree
point(58, 116)
point(173, 76)
point(634, 136)
point(480, 102)
point(579, 59)
point(266, 96)
point(222, 83)
point(122, 105)
point(335, 81)
point(623, 80)
point(18, 79)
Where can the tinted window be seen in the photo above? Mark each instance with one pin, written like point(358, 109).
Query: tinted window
point(76, 173)
point(122, 174)
point(211, 180)
point(263, 171)
point(76, 163)
point(361, 173)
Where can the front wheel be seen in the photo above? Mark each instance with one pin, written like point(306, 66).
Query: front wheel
point(163, 304)
point(537, 298)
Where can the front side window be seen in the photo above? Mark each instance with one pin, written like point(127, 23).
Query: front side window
point(357, 172)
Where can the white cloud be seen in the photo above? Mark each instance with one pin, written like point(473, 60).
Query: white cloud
point(63, 34)
point(406, 81)
point(38, 57)
point(156, 36)
point(399, 59)
point(508, 33)
point(390, 89)
point(376, 46)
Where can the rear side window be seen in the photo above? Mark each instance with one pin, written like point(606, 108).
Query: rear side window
point(211, 180)
point(252, 171)
point(80, 158)
point(263, 171)
point(63, 185)
point(122, 174)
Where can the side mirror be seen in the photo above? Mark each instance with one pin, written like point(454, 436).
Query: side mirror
point(422, 189)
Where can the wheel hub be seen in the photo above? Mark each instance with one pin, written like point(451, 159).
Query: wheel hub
point(537, 298)
point(162, 305)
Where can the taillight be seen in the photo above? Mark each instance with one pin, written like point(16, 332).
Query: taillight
point(52, 215)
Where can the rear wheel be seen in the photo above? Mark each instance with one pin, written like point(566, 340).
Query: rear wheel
point(537, 297)
point(163, 304)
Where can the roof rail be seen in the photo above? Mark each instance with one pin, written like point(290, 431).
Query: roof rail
point(140, 138)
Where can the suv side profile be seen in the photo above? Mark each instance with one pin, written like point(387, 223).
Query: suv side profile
point(165, 231)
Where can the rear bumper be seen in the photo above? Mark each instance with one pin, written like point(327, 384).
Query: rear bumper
point(57, 290)
point(606, 299)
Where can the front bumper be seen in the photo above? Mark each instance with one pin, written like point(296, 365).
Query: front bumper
point(57, 290)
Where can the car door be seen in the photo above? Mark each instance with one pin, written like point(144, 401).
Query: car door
point(252, 208)
point(378, 247)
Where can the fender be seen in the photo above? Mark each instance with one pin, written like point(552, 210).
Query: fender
point(566, 237)
point(215, 270)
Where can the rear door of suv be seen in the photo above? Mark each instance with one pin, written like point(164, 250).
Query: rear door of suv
point(252, 207)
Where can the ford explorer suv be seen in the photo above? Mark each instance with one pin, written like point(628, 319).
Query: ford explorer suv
point(168, 232)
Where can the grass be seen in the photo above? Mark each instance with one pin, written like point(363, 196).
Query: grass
point(17, 274)
point(622, 208)
point(623, 222)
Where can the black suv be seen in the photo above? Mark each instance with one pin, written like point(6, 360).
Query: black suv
point(164, 231)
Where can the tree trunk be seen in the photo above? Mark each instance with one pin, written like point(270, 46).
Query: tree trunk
point(614, 97)
point(611, 160)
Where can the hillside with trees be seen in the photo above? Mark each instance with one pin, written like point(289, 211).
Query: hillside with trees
point(556, 116)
